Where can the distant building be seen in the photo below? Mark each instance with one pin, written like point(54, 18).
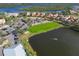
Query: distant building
point(6, 29)
point(43, 14)
point(4, 26)
point(55, 15)
point(16, 50)
point(75, 7)
point(73, 11)
point(2, 21)
point(9, 29)
point(38, 14)
point(3, 33)
point(25, 26)
point(34, 14)
point(28, 13)
point(21, 24)
point(50, 15)
point(12, 14)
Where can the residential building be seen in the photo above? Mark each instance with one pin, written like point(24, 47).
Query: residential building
point(2, 21)
point(73, 12)
point(12, 14)
point(21, 24)
point(34, 13)
point(10, 38)
point(38, 14)
point(43, 14)
point(28, 13)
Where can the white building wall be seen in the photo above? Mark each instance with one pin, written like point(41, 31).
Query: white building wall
point(14, 51)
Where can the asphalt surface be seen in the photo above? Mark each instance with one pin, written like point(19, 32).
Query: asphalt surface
point(59, 42)
point(1, 51)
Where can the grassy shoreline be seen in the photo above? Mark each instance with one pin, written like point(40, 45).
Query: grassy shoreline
point(44, 27)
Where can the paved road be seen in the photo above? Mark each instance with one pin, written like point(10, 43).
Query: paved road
point(1, 51)
point(60, 42)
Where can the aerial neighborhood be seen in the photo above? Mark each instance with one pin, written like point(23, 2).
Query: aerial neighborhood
point(14, 24)
point(10, 32)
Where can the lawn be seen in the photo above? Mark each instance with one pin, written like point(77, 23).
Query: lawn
point(44, 27)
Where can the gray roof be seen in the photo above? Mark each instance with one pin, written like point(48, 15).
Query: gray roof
point(10, 29)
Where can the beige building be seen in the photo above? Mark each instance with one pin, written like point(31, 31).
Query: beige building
point(34, 14)
point(43, 14)
point(72, 12)
point(10, 38)
point(38, 14)
point(28, 13)
point(2, 21)
point(12, 14)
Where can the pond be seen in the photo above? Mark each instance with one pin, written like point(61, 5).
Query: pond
point(18, 7)
point(13, 9)
point(59, 42)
